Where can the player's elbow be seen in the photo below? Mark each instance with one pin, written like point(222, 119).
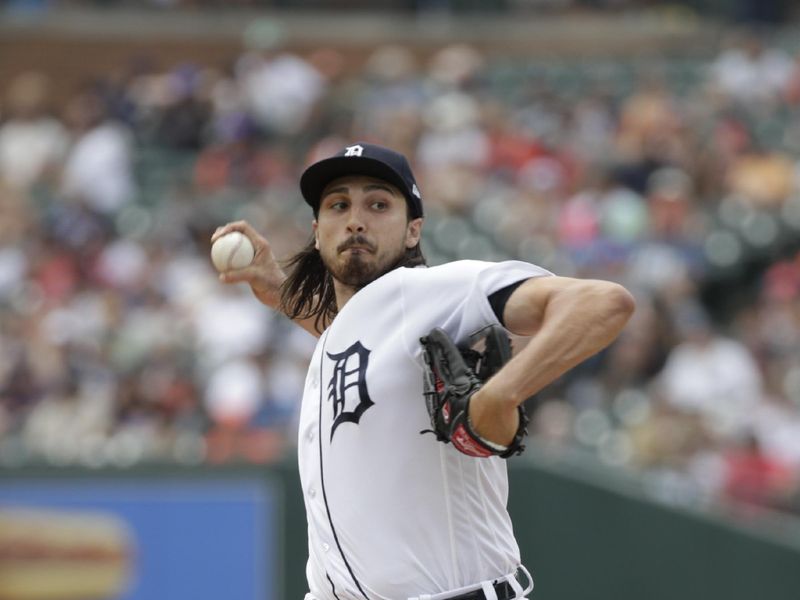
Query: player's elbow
point(612, 303)
point(604, 306)
point(590, 301)
point(621, 302)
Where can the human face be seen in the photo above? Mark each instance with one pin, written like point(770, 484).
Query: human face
point(362, 229)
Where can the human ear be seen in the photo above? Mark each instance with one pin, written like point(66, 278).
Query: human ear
point(315, 228)
point(413, 232)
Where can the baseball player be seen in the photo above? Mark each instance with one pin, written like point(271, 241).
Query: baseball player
point(401, 445)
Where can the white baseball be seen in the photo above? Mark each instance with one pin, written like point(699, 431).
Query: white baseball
point(233, 250)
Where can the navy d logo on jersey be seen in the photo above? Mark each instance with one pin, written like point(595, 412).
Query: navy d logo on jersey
point(348, 385)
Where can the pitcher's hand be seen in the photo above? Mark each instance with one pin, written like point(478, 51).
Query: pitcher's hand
point(263, 274)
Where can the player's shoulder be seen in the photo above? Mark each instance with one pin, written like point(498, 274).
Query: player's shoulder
point(461, 269)
point(449, 269)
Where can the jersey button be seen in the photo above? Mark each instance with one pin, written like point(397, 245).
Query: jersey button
point(312, 492)
point(310, 435)
point(326, 547)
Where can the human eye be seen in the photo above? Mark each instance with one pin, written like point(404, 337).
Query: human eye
point(380, 204)
point(336, 204)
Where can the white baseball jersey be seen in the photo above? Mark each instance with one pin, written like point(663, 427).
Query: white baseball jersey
point(393, 513)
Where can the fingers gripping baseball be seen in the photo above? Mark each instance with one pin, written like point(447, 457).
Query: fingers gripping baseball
point(263, 273)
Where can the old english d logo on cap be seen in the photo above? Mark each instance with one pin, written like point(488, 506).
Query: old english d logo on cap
point(366, 159)
point(354, 150)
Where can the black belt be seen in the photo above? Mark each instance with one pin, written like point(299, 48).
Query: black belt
point(502, 588)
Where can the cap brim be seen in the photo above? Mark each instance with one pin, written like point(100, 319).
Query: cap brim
point(320, 174)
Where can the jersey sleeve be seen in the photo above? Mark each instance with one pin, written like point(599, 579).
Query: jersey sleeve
point(455, 297)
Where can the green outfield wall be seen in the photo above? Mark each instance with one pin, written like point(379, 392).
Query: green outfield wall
point(588, 535)
point(585, 535)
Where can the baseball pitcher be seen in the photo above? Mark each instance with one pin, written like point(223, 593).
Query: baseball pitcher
point(404, 427)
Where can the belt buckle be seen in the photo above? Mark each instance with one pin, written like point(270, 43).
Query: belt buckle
point(502, 588)
point(498, 590)
point(510, 587)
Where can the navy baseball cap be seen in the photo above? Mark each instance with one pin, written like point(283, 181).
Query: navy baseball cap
point(362, 159)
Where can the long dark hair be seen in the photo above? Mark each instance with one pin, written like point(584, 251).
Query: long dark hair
point(308, 290)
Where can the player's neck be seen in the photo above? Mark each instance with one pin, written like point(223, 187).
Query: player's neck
point(343, 293)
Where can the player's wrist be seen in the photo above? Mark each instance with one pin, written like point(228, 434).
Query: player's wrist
point(495, 393)
point(269, 296)
point(484, 409)
point(268, 289)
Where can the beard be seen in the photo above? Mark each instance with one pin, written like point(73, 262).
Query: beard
point(359, 270)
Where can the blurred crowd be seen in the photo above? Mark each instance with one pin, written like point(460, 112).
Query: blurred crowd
point(459, 6)
point(770, 12)
point(119, 345)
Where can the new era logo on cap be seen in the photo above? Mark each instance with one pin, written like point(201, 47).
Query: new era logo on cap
point(362, 159)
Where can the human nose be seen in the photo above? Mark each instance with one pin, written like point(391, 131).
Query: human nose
point(355, 221)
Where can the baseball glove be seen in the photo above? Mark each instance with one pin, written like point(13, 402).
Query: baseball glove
point(452, 376)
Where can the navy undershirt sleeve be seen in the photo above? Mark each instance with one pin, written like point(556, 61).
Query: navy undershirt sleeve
point(498, 299)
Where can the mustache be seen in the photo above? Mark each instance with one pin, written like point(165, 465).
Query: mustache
point(356, 240)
